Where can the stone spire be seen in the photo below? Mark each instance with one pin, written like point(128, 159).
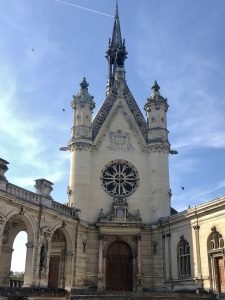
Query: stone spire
point(116, 53)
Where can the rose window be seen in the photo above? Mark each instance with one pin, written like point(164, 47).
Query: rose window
point(119, 178)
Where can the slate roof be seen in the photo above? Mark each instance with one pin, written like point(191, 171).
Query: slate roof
point(108, 104)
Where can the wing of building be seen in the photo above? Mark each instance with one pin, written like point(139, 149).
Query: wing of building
point(118, 231)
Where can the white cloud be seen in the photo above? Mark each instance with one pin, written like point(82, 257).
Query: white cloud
point(25, 142)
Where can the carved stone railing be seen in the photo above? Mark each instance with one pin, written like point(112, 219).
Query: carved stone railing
point(37, 199)
point(65, 210)
point(23, 194)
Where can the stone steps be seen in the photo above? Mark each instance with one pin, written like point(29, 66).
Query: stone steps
point(81, 295)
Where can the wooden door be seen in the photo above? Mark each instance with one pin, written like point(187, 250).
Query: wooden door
point(219, 262)
point(119, 267)
point(53, 274)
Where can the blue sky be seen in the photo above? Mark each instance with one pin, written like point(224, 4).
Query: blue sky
point(181, 43)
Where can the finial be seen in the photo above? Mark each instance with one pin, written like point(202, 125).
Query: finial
point(117, 10)
point(155, 86)
point(84, 85)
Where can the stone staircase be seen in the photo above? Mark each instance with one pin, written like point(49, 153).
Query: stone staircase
point(109, 295)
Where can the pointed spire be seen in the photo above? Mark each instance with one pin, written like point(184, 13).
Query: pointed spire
point(117, 11)
point(116, 53)
point(116, 35)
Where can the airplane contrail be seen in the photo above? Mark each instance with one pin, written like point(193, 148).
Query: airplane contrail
point(84, 8)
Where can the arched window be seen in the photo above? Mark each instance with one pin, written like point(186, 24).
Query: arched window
point(215, 240)
point(183, 258)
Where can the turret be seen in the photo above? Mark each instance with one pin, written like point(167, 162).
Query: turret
point(80, 146)
point(83, 106)
point(158, 148)
point(156, 109)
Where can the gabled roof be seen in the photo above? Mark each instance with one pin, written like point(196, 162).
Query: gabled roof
point(108, 104)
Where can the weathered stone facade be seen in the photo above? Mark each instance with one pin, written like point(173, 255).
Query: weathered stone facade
point(119, 211)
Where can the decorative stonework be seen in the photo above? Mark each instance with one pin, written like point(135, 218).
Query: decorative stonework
point(44, 251)
point(82, 132)
point(134, 108)
point(119, 213)
point(158, 147)
point(43, 187)
point(120, 140)
point(114, 93)
point(119, 178)
point(80, 146)
point(3, 169)
point(154, 247)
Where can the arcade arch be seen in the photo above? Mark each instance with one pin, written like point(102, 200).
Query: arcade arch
point(13, 225)
point(60, 259)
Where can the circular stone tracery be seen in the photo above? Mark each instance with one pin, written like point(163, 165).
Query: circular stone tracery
point(119, 178)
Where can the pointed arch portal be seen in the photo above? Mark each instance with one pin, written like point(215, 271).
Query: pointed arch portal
point(119, 267)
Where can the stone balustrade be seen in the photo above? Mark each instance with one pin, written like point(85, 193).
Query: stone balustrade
point(37, 199)
point(23, 194)
point(65, 210)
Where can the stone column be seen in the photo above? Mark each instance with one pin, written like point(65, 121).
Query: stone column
point(164, 256)
point(169, 255)
point(198, 255)
point(69, 263)
point(100, 263)
point(5, 262)
point(139, 275)
point(28, 275)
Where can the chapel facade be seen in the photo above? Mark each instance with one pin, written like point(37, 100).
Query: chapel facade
point(118, 230)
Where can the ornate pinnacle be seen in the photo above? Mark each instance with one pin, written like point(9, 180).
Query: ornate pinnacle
point(83, 95)
point(155, 87)
point(84, 85)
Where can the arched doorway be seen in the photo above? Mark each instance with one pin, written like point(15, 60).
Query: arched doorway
point(119, 267)
point(56, 274)
point(215, 245)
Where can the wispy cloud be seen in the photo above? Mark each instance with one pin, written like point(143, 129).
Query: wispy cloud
point(25, 141)
point(84, 8)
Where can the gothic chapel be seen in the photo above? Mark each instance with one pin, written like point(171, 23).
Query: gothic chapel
point(118, 231)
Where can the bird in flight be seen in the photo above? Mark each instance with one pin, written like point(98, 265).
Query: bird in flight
point(182, 187)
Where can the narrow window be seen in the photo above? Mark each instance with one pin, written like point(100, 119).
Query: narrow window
point(183, 258)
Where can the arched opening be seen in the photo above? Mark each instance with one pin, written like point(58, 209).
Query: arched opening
point(119, 271)
point(57, 260)
point(215, 245)
point(13, 227)
point(17, 268)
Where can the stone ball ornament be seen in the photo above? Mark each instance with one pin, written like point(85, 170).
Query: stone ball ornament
point(119, 178)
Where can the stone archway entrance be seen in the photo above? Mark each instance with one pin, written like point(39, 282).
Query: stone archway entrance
point(215, 246)
point(57, 261)
point(119, 267)
point(219, 274)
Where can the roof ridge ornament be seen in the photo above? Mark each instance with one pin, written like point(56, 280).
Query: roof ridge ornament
point(155, 94)
point(155, 86)
point(84, 84)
